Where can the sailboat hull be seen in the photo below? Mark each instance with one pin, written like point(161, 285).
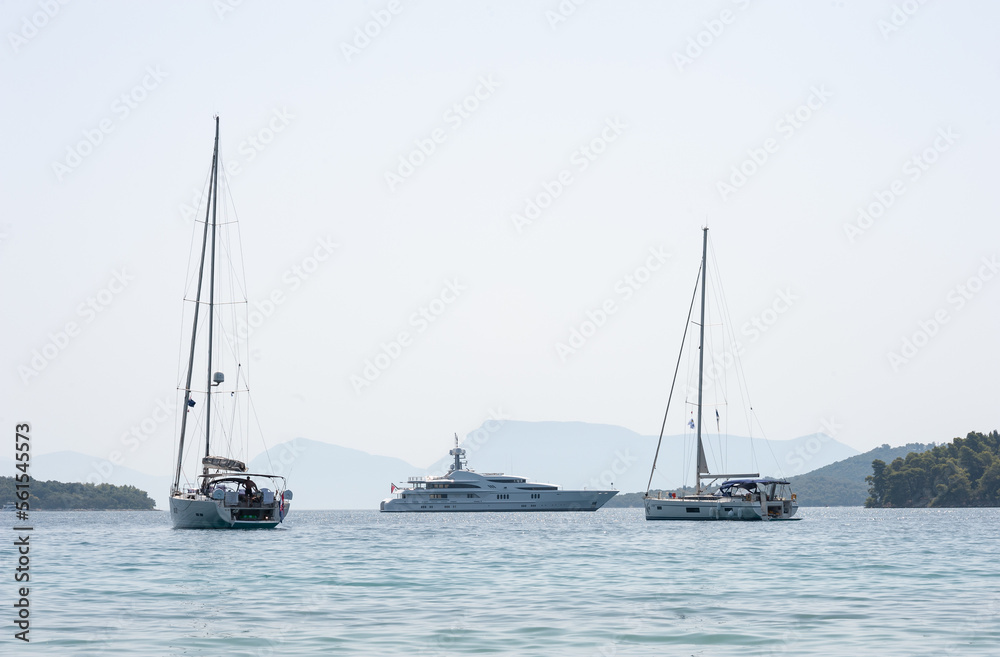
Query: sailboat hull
point(725, 508)
point(200, 512)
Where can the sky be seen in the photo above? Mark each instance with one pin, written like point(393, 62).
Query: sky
point(454, 211)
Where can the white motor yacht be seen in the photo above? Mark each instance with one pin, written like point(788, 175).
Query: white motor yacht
point(464, 489)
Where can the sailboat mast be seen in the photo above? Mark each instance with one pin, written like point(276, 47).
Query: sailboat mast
point(701, 361)
point(197, 307)
point(211, 295)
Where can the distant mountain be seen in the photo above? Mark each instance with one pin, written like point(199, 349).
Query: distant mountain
point(843, 483)
point(578, 455)
point(325, 476)
point(570, 454)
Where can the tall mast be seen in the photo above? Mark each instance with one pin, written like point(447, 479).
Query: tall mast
point(197, 307)
point(701, 364)
point(211, 294)
point(673, 382)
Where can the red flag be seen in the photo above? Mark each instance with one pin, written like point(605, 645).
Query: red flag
point(392, 488)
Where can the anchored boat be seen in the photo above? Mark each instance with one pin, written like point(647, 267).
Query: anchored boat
point(464, 489)
point(225, 495)
point(740, 496)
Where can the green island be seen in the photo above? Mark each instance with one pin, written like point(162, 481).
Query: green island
point(962, 473)
point(838, 484)
point(59, 496)
point(843, 483)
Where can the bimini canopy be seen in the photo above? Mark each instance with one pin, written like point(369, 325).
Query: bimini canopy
point(750, 484)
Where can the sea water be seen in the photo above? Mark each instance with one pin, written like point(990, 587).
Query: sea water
point(841, 581)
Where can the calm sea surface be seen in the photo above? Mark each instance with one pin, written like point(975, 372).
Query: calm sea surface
point(839, 582)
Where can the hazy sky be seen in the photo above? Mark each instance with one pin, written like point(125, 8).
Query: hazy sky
point(382, 157)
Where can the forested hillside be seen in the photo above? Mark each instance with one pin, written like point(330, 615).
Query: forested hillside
point(55, 495)
point(843, 483)
point(964, 472)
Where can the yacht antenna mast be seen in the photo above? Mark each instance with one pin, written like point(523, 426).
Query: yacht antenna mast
point(458, 453)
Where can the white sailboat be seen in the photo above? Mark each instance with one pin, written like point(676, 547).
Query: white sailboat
point(740, 496)
point(224, 495)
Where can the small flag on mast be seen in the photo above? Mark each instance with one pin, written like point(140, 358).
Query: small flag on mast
point(392, 488)
point(691, 423)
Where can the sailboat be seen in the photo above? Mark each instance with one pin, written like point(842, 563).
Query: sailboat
point(740, 496)
point(225, 495)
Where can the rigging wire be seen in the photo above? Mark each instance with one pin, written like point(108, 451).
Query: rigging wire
point(673, 382)
point(239, 278)
point(719, 368)
point(185, 300)
point(228, 345)
point(748, 410)
point(737, 363)
point(706, 435)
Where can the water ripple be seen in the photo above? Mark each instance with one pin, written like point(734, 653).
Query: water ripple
point(841, 582)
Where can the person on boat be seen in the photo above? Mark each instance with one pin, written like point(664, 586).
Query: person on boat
point(251, 492)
